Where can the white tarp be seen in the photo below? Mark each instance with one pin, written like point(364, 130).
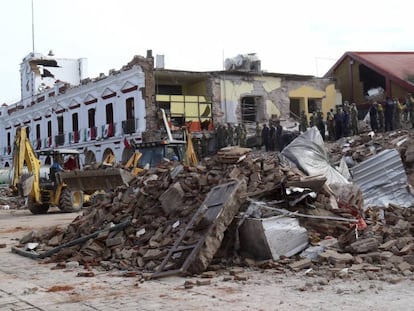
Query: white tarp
point(308, 152)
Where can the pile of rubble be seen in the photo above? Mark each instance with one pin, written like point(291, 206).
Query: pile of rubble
point(177, 219)
point(8, 200)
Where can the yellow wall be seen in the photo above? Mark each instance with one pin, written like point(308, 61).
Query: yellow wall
point(328, 97)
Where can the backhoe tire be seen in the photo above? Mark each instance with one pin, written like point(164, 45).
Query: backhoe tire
point(70, 201)
point(36, 208)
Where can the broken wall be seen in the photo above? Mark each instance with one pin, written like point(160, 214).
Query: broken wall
point(272, 94)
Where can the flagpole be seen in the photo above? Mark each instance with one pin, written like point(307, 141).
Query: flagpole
point(33, 42)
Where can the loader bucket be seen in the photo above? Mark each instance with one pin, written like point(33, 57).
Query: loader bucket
point(97, 179)
point(25, 184)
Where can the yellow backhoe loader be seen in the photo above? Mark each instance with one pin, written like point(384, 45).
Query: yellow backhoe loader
point(64, 189)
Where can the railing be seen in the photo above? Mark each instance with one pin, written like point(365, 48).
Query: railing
point(108, 130)
point(73, 137)
point(128, 126)
point(59, 140)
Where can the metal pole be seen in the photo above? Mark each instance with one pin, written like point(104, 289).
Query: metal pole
point(33, 42)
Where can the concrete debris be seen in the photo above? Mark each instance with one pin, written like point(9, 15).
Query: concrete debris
point(272, 237)
point(169, 211)
point(8, 201)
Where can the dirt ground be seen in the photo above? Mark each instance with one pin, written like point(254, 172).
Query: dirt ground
point(26, 284)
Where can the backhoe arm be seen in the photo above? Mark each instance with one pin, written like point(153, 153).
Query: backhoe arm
point(23, 152)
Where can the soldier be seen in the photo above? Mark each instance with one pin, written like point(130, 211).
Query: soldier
point(354, 119)
point(243, 136)
point(373, 116)
point(258, 135)
point(237, 134)
point(272, 137)
point(346, 117)
point(408, 107)
point(380, 114)
point(339, 120)
point(265, 136)
point(312, 119)
point(411, 109)
point(225, 136)
point(330, 124)
point(278, 136)
point(303, 123)
point(320, 124)
point(389, 114)
point(230, 135)
point(398, 112)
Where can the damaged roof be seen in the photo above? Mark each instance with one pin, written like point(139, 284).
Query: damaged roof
point(397, 66)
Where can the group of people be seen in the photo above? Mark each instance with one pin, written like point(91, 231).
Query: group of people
point(388, 115)
point(340, 123)
point(271, 136)
point(229, 135)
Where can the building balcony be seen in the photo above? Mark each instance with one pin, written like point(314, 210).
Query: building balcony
point(128, 126)
point(59, 140)
point(73, 137)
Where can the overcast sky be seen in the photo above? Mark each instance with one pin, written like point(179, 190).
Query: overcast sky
point(295, 36)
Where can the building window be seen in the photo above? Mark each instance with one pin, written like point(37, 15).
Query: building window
point(49, 128)
point(248, 109)
point(60, 125)
point(38, 140)
point(37, 131)
point(91, 118)
point(109, 113)
point(128, 125)
point(130, 110)
point(75, 123)
point(8, 143)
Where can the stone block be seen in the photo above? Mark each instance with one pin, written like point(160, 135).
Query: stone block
point(387, 245)
point(115, 241)
point(301, 264)
point(407, 249)
point(404, 266)
point(409, 259)
point(172, 199)
point(153, 254)
point(336, 258)
point(363, 245)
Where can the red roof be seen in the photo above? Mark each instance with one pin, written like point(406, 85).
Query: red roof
point(398, 66)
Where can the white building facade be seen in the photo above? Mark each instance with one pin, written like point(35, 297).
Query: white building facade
point(65, 110)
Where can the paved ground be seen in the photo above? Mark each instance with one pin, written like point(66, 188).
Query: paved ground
point(26, 284)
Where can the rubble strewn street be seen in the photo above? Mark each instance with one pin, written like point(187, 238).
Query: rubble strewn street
point(244, 217)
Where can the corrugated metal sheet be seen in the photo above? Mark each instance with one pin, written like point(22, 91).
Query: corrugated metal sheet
point(383, 180)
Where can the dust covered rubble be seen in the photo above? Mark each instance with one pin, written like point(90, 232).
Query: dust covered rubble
point(160, 202)
point(9, 201)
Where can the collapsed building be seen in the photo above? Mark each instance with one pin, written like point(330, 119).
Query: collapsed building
point(270, 210)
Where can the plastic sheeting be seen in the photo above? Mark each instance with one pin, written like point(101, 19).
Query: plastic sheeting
point(308, 152)
point(382, 180)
